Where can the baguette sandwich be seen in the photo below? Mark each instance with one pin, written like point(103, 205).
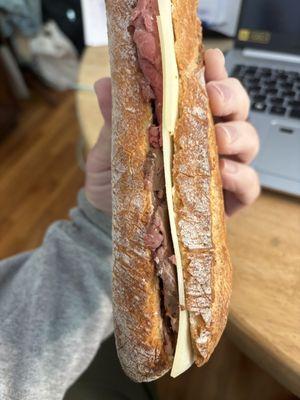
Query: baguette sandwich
point(171, 266)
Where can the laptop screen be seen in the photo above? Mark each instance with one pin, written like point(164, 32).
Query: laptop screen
point(270, 25)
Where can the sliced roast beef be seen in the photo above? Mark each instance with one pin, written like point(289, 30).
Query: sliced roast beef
point(154, 171)
point(146, 38)
point(158, 237)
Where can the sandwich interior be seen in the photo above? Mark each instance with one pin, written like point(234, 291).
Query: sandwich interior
point(158, 239)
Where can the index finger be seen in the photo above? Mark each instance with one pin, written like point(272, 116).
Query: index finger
point(214, 65)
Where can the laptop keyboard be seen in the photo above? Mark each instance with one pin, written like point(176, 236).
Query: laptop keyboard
point(271, 91)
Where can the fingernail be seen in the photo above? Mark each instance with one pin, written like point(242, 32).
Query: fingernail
point(228, 132)
point(230, 166)
point(223, 91)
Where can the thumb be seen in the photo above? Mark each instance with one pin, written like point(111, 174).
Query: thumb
point(98, 159)
point(99, 156)
point(103, 92)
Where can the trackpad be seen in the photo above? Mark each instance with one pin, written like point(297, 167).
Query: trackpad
point(281, 153)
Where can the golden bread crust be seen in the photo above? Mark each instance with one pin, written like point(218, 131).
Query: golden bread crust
point(198, 193)
point(136, 296)
point(198, 201)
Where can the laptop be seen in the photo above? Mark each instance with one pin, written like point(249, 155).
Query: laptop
point(266, 59)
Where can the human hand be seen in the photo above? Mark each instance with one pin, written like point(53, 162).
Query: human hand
point(98, 165)
point(237, 140)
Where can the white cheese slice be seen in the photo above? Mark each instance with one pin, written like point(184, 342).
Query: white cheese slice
point(184, 356)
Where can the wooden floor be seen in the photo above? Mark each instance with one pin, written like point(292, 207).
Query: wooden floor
point(39, 173)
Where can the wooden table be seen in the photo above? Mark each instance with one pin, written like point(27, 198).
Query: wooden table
point(265, 247)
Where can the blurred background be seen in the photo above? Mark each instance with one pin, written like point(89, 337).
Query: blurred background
point(51, 53)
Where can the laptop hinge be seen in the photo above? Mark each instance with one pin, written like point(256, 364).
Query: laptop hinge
point(271, 55)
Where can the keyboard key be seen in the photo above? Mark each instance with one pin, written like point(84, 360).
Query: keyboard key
point(259, 98)
point(278, 84)
point(253, 81)
point(278, 110)
point(264, 72)
point(288, 93)
point(260, 106)
point(270, 83)
point(250, 70)
point(253, 89)
point(295, 113)
point(245, 84)
point(271, 91)
point(294, 103)
point(237, 70)
point(293, 75)
point(286, 86)
point(278, 101)
point(282, 76)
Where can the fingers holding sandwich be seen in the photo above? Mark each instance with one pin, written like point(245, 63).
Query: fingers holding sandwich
point(228, 99)
point(237, 140)
point(214, 65)
point(240, 183)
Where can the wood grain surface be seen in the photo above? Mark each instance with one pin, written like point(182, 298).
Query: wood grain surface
point(265, 308)
point(265, 247)
point(229, 375)
point(39, 173)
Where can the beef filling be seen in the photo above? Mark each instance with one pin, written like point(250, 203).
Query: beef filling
point(146, 38)
point(158, 237)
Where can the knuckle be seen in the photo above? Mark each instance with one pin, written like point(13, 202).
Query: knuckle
point(234, 81)
point(91, 159)
point(239, 87)
point(253, 139)
point(248, 186)
point(241, 97)
point(220, 128)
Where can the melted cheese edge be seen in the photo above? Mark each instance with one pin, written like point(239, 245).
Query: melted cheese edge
point(184, 357)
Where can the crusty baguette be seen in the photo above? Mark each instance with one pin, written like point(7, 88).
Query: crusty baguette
point(198, 191)
point(138, 325)
point(198, 201)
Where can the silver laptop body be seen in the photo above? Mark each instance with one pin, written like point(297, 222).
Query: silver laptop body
point(266, 58)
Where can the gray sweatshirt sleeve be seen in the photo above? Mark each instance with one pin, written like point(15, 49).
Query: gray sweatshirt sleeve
point(55, 307)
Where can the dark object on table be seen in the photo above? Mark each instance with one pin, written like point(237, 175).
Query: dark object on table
point(68, 16)
point(9, 107)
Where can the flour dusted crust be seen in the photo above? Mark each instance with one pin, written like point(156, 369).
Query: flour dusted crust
point(198, 194)
point(198, 202)
point(138, 324)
